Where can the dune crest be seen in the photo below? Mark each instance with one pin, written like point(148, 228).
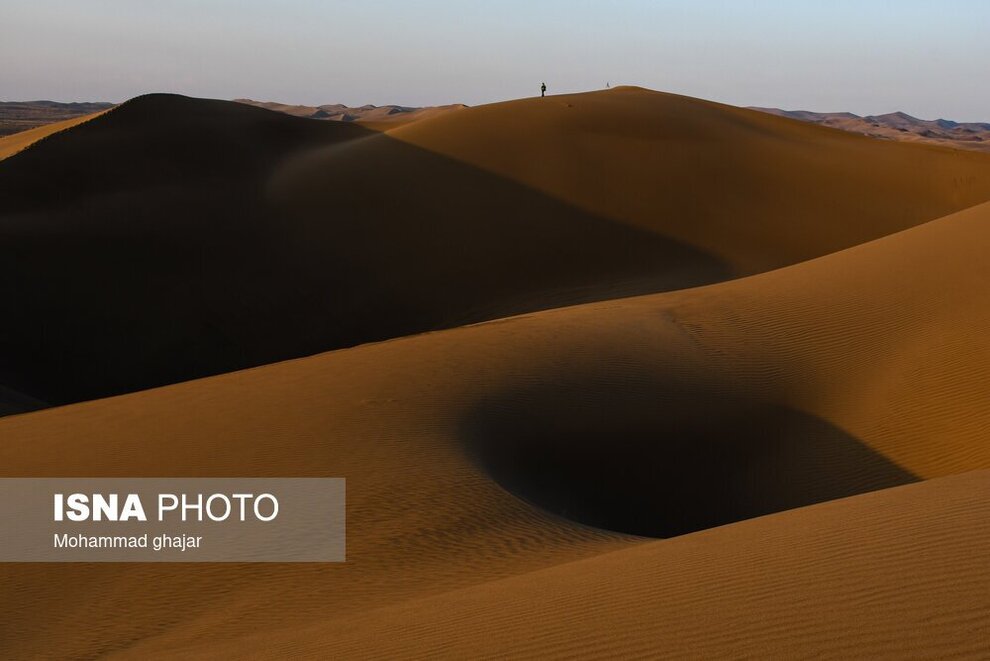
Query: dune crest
point(16, 142)
point(752, 189)
point(377, 117)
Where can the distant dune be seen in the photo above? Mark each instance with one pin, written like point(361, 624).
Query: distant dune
point(16, 116)
point(663, 378)
point(369, 115)
point(11, 144)
point(899, 126)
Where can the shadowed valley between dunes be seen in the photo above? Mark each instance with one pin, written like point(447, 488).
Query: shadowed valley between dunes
point(145, 247)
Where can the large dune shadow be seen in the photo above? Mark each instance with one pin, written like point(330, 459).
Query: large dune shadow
point(150, 246)
point(660, 458)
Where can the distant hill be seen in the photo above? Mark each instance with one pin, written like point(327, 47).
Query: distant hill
point(17, 116)
point(899, 126)
point(365, 114)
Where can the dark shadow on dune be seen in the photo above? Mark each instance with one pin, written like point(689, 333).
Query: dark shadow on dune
point(12, 402)
point(150, 245)
point(663, 459)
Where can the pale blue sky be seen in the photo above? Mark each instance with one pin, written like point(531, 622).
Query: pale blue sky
point(924, 57)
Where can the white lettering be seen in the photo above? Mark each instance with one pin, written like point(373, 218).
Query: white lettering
point(257, 507)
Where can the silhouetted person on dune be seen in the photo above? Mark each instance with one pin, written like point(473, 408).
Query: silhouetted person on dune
point(543, 89)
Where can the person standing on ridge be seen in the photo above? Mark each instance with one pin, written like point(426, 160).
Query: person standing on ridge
point(543, 89)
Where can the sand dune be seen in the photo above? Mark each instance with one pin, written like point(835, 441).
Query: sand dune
point(434, 542)
point(196, 237)
point(191, 264)
point(809, 440)
point(822, 572)
point(900, 126)
point(11, 144)
point(754, 190)
point(18, 116)
point(380, 117)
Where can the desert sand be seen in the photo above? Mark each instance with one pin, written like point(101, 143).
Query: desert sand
point(625, 373)
point(20, 116)
point(378, 117)
point(196, 237)
point(900, 126)
point(11, 144)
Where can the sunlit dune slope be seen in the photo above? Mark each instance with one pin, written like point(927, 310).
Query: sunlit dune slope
point(890, 575)
point(174, 238)
point(862, 370)
point(755, 190)
point(11, 144)
point(394, 121)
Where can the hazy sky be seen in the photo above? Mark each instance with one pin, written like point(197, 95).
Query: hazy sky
point(931, 59)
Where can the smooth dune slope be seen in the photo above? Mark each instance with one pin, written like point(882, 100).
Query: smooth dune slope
point(19, 116)
point(914, 551)
point(175, 238)
point(143, 249)
point(845, 375)
point(757, 191)
point(11, 144)
point(130, 247)
point(151, 246)
point(385, 123)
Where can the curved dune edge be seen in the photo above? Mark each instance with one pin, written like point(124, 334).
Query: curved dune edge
point(387, 124)
point(756, 190)
point(16, 142)
point(883, 341)
point(893, 574)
